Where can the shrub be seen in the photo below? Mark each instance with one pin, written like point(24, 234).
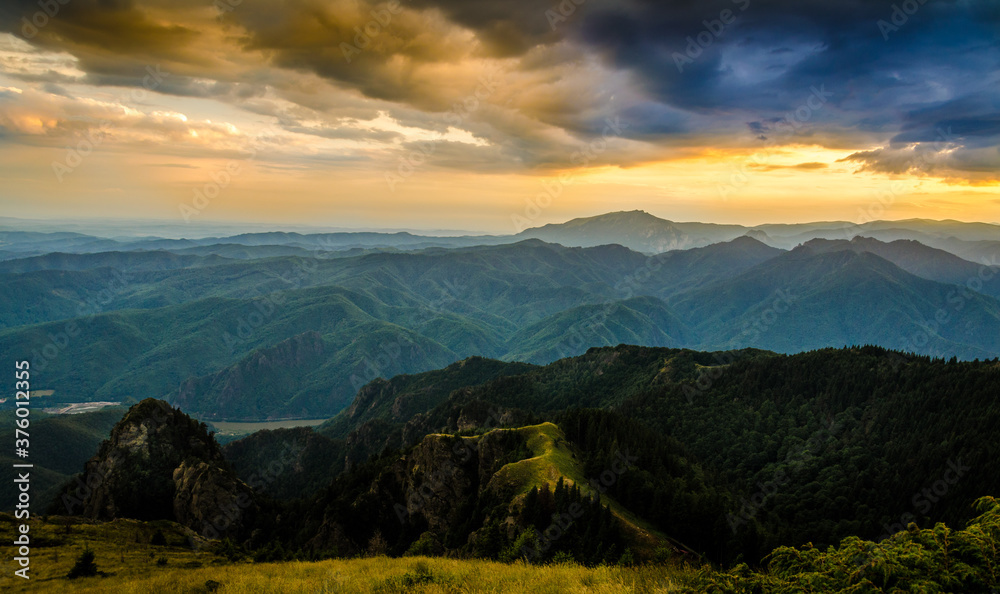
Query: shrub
point(427, 546)
point(272, 553)
point(525, 547)
point(228, 549)
point(377, 545)
point(84, 566)
point(627, 559)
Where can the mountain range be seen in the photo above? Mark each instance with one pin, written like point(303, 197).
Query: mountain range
point(636, 230)
point(275, 325)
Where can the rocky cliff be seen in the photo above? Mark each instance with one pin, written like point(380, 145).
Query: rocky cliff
point(161, 464)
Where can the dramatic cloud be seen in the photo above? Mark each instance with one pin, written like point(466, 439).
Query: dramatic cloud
point(884, 87)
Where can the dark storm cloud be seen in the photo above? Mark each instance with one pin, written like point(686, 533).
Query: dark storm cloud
point(508, 28)
point(902, 70)
point(121, 28)
point(769, 52)
point(973, 120)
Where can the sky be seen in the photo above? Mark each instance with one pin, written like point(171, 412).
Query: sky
point(496, 116)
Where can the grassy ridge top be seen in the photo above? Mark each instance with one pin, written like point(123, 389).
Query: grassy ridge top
point(554, 457)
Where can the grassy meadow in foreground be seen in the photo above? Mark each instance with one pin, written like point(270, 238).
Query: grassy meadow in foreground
point(139, 557)
point(380, 574)
point(373, 574)
point(129, 561)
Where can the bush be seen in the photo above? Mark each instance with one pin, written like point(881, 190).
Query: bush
point(427, 546)
point(158, 540)
point(419, 577)
point(627, 559)
point(662, 554)
point(936, 559)
point(377, 545)
point(84, 566)
point(272, 553)
point(230, 550)
point(525, 547)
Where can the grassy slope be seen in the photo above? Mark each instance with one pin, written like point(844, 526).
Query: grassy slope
point(384, 575)
point(553, 458)
point(187, 570)
point(122, 550)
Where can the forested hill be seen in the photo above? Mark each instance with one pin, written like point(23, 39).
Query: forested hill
point(220, 337)
point(811, 447)
point(719, 456)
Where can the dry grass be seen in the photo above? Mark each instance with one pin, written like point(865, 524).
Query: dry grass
point(130, 564)
point(378, 574)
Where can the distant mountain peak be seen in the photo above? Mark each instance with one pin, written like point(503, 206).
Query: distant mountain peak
point(637, 230)
point(758, 235)
point(742, 242)
point(616, 217)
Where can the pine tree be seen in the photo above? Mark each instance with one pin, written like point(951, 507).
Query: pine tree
point(84, 566)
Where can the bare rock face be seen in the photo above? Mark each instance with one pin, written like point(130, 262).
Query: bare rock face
point(160, 464)
point(211, 499)
point(439, 474)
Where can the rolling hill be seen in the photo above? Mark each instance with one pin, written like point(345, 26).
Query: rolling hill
point(229, 341)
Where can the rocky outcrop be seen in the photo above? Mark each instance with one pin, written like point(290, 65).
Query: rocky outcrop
point(432, 488)
point(161, 464)
point(438, 476)
point(210, 499)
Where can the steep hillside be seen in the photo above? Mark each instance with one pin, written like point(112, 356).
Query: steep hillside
point(478, 495)
point(833, 428)
point(123, 261)
point(296, 337)
point(399, 399)
point(679, 271)
point(286, 463)
point(307, 376)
